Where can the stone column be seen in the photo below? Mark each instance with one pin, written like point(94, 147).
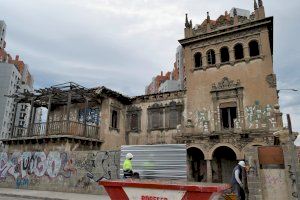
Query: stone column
point(209, 171)
point(246, 52)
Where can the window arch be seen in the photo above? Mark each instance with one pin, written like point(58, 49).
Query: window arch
point(253, 48)
point(238, 51)
point(224, 54)
point(198, 60)
point(211, 57)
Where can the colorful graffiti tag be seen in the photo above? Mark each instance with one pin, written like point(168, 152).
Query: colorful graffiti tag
point(37, 163)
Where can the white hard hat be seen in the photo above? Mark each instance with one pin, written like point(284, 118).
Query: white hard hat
point(129, 155)
point(242, 163)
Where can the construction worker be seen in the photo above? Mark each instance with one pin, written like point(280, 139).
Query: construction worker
point(127, 166)
point(236, 180)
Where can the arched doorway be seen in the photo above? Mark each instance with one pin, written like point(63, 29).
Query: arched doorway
point(224, 160)
point(197, 165)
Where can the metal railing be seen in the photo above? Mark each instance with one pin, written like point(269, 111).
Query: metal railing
point(57, 128)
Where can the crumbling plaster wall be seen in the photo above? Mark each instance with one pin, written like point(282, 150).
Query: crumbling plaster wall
point(268, 183)
point(163, 136)
point(112, 138)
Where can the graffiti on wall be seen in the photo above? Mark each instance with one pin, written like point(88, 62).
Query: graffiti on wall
point(92, 116)
point(20, 165)
point(32, 169)
point(258, 116)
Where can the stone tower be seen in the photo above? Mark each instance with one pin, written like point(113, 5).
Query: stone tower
point(231, 92)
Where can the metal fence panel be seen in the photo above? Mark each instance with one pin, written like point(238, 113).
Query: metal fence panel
point(167, 161)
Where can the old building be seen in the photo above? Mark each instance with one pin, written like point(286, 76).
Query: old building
point(229, 102)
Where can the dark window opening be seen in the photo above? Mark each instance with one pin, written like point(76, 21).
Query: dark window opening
point(228, 115)
point(198, 60)
point(211, 57)
point(238, 51)
point(224, 54)
point(254, 48)
point(114, 119)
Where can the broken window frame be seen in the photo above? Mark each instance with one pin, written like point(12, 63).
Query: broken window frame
point(231, 116)
point(211, 57)
point(198, 60)
point(114, 119)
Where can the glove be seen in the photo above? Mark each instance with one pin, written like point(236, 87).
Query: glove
point(242, 185)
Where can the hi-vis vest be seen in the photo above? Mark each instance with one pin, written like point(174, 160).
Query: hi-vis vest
point(127, 166)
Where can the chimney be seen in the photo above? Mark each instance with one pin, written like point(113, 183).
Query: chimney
point(161, 73)
point(235, 17)
point(17, 57)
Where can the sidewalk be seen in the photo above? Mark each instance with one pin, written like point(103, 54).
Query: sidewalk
point(49, 195)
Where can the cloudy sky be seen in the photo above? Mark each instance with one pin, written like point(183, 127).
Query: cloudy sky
point(122, 44)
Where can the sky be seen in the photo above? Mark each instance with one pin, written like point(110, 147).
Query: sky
point(122, 44)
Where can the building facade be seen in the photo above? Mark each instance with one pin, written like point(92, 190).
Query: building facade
point(2, 34)
point(229, 102)
point(9, 82)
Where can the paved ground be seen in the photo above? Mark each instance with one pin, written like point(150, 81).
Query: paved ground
point(17, 194)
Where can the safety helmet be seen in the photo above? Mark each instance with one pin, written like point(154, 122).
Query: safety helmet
point(129, 155)
point(242, 163)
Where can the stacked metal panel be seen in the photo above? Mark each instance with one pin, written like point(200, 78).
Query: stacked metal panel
point(167, 161)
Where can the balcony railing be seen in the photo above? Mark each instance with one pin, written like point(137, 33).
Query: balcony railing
point(57, 128)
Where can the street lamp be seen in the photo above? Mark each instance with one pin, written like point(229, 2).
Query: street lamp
point(292, 89)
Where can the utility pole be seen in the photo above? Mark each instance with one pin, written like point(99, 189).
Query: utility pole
point(294, 166)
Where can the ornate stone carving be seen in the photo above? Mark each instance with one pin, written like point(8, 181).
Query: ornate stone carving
point(226, 84)
point(271, 80)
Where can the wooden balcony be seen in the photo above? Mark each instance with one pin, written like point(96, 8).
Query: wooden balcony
point(66, 128)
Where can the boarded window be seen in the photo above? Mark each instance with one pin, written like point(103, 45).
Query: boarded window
point(155, 118)
point(238, 51)
point(224, 54)
point(211, 57)
point(253, 48)
point(133, 119)
point(173, 115)
point(271, 157)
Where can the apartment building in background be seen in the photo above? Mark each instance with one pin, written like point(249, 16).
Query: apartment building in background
point(15, 77)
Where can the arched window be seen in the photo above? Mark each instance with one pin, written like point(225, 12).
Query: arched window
point(224, 54)
point(211, 57)
point(238, 51)
point(198, 60)
point(253, 48)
